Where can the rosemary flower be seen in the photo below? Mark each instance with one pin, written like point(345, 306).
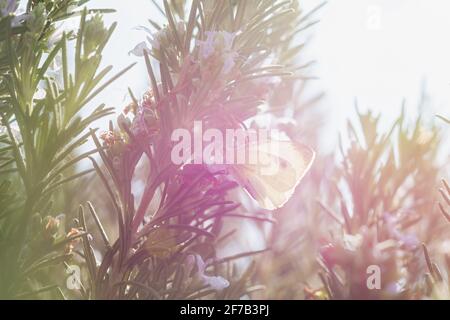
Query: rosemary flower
point(215, 282)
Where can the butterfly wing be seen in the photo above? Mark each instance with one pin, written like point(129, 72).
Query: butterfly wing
point(273, 179)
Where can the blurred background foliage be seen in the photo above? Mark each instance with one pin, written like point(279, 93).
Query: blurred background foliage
point(142, 228)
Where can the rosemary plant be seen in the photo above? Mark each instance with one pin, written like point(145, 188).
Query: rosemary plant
point(42, 106)
point(108, 214)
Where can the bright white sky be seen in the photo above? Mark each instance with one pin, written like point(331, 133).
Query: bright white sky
point(381, 51)
point(378, 51)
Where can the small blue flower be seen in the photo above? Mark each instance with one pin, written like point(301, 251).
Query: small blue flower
point(215, 282)
point(8, 7)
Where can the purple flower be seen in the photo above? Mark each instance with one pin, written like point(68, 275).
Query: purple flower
point(215, 282)
point(207, 46)
point(219, 44)
point(220, 41)
point(9, 7)
point(155, 40)
point(139, 49)
point(145, 122)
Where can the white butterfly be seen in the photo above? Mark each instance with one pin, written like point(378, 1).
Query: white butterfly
point(272, 182)
point(268, 168)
